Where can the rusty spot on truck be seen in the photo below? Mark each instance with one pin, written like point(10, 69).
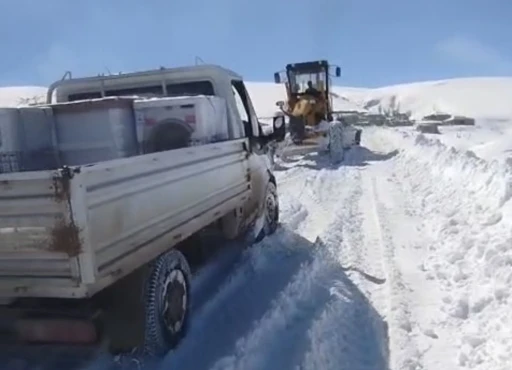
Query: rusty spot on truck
point(66, 239)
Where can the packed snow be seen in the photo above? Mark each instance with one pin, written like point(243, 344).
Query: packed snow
point(399, 258)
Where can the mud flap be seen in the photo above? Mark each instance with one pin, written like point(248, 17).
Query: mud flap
point(259, 224)
point(336, 150)
point(267, 218)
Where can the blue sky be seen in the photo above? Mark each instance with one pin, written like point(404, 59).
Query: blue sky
point(376, 42)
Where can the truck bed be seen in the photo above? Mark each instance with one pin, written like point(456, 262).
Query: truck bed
point(70, 233)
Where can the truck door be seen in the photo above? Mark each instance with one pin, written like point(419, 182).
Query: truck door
point(259, 162)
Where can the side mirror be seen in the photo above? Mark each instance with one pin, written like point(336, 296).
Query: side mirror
point(338, 71)
point(277, 78)
point(279, 128)
point(280, 104)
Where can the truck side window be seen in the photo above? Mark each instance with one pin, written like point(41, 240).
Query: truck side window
point(242, 106)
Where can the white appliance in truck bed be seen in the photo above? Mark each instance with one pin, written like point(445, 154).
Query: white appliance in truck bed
point(177, 122)
point(95, 130)
point(26, 139)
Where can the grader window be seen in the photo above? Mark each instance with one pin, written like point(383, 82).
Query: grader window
point(299, 81)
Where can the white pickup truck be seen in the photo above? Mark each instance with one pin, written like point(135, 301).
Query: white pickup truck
point(80, 245)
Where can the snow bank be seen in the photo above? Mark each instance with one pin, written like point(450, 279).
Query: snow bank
point(471, 137)
point(489, 139)
point(476, 97)
point(470, 217)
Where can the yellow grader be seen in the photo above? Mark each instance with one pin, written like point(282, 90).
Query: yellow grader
point(309, 108)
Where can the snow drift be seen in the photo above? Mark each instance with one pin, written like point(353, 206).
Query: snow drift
point(475, 97)
point(467, 200)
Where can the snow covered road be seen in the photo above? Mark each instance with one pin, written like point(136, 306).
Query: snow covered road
point(403, 208)
point(311, 297)
point(398, 259)
point(288, 302)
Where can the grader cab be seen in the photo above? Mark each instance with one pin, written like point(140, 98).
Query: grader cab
point(308, 99)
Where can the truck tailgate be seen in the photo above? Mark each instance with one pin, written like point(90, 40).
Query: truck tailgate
point(35, 244)
point(75, 231)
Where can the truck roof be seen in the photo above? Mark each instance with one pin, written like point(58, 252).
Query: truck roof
point(196, 72)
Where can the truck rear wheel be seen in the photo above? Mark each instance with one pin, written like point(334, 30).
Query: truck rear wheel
point(167, 302)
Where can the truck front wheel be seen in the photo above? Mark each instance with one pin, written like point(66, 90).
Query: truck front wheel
point(271, 212)
point(358, 137)
point(167, 301)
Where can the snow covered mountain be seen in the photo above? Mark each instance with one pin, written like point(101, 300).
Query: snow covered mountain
point(13, 96)
point(475, 97)
point(485, 97)
point(430, 214)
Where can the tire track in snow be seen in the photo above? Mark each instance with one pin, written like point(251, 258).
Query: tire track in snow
point(321, 319)
point(311, 196)
point(355, 334)
point(288, 303)
point(345, 230)
point(349, 238)
point(369, 244)
point(260, 276)
point(428, 342)
point(277, 340)
point(257, 278)
point(398, 236)
point(404, 351)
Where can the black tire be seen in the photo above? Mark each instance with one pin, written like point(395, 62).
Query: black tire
point(358, 137)
point(167, 303)
point(336, 150)
point(297, 129)
point(271, 211)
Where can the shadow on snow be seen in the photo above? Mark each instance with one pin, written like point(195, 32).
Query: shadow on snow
point(281, 304)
